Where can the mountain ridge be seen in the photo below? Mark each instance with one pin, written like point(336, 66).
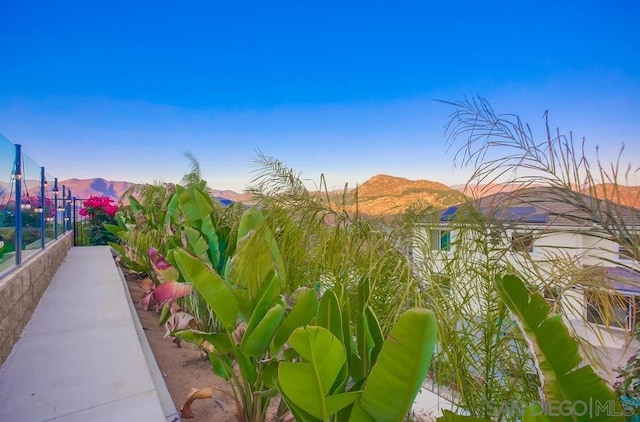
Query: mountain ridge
point(380, 195)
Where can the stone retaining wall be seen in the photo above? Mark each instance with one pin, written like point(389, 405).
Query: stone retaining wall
point(21, 290)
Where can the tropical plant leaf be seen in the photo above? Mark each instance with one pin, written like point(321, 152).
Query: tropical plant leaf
point(161, 266)
point(209, 233)
point(194, 394)
point(211, 287)
point(301, 314)
point(173, 208)
point(256, 342)
point(247, 366)
point(194, 205)
point(253, 262)
point(249, 221)
point(375, 332)
point(269, 292)
point(396, 378)
point(166, 292)
point(164, 314)
point(220, 341)
point(221, 365)
point(197, 244)
point(556, 354)
point(535, 413)
point(307, 384)
point(449, 416)
point(178, 321)
point(330, 315)
point(298, 413)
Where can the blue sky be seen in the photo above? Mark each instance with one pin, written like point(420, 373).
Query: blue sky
point(121, 90)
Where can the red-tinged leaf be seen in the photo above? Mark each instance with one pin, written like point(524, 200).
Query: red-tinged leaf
point(162, 267)
point(146, 301)
point(147, 285)
point(169, 291)
point(158, 260)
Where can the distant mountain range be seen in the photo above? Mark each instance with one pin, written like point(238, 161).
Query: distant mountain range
point(380, 196)
point(384, 195)
point(84, 188)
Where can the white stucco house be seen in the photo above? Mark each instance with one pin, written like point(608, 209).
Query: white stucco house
point(579, 251)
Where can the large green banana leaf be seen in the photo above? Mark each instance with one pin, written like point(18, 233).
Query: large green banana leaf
point(194, 204)
point(197, 244)
point(398, 374)
point(301, 314)
point(249, 221)
point(308, 384)
point(557, 357)
point(173, 206)
point(254, 258)
point(211, 287)
point(220, 341)
point(330, 315)
point(256, 342)
point(209, 233)
point(449, 416)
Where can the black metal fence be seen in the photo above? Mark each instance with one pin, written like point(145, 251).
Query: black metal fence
point(79, 223)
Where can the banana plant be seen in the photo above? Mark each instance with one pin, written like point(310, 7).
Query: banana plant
point(570, 391)
point(318, 387)
point(140, 226)
point(247, 299)
point(564, 378)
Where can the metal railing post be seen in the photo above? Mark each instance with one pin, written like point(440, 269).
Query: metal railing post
point(64, 209)
point(69, 210)
point(55, 208)
point(18, 179)
point(43, 231)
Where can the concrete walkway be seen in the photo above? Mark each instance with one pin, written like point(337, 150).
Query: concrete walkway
point(83, 356)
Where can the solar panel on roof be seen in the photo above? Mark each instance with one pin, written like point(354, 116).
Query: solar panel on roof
point(448, 214)
point(536, 218)
point(514, 213)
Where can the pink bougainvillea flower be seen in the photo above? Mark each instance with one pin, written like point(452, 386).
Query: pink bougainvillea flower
point(83, 212)
point(111, 210)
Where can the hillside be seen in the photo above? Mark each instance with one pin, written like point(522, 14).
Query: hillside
point(232, 195)
point(384, 195)
point(84, 188)
point(478, 191)
point(625, 195)
point(380, 196)
point(622, 194)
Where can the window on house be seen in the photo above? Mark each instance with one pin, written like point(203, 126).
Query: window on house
point(610, 309)
point(440, 240)
point(522, 242)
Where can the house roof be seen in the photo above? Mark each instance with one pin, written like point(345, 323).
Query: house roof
point(550, 206)
point(624, 280)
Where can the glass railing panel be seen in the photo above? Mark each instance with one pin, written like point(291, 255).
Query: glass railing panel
point(7, 205)
point(51, 231)
point(31, 208)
